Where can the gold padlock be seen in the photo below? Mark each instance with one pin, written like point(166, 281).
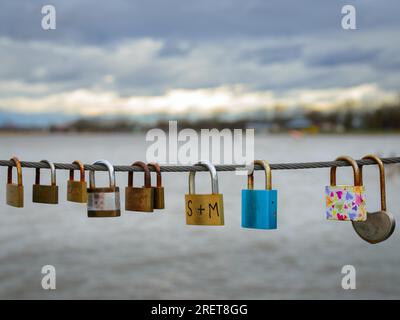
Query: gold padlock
point(103, 202)
point(77, 190)
point(204, 209)
point(159, 189)
point(15, 192)
point(139, 199)
point(45, 193)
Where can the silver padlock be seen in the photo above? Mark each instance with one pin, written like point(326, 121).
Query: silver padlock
point(103, 202)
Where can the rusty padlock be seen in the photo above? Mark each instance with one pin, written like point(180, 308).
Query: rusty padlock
point(379, 225)
point(139, 199)
point(158, 190)
point(77, 190)
point(15, 192)
point(204, 209)
point(103, 202)
point(47, 194)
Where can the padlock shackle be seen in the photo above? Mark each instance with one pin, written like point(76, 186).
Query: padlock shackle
point(147, 177)
point(81, 170)
point(213, 173)
point(382, 179)
point(268, 175)
point(356, 170)
point(19, 171)
point(52, 173)
point(111, 173)
point(157, 167)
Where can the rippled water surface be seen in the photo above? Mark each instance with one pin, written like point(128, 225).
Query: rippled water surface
point(156, 256)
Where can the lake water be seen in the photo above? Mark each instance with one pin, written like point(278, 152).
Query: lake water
point(156, 256)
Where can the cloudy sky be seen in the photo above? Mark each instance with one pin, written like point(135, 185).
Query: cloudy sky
point(176, 56)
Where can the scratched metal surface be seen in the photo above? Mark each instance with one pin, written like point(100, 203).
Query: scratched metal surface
point(158, 256)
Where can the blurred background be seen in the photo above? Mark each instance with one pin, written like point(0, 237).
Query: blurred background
point(110, 71)
point(131, 64)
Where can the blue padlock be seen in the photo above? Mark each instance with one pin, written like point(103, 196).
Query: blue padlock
point(259, 207)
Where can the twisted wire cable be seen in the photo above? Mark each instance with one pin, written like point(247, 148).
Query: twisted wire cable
point(182, 168)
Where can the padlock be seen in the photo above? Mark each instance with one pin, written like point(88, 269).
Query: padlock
point(346, 202)
point(103, 202)
point(259, 207)
point(77, 190)
point(379, 225)
point(15, 192)
point(204, 209)
point(158, 190)
point(45, 193)
point(139, 199)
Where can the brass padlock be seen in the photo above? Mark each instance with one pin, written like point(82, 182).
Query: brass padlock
point(103, 202)
point(15, 192)
point(379, 225)
point(158, 190)
point(139, 199)
point(77, 190)
point(204, 209)
point(45, 193)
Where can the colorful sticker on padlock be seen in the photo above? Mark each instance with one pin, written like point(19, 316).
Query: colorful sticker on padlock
point(345, 203)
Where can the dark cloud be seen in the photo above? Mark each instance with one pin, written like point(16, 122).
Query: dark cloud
point(174, 48)
point(350, 55)
point(93, 21)
point(149, 47)
point(274, 54)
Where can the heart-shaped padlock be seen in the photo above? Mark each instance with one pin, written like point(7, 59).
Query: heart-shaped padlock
point(379, 225)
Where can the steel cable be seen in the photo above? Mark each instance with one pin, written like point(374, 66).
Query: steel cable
point(182, 168)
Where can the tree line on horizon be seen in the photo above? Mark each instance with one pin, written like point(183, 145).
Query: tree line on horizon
point(384, 118)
